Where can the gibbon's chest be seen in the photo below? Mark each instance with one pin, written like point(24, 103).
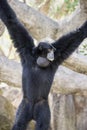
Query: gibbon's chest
point(41, 77)
point(38, 76)
point(41, 73)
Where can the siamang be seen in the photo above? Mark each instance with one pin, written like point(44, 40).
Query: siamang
point(39, 66)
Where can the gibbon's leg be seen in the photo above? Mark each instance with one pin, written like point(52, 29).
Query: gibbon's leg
point(23, 116)
point(42, 115)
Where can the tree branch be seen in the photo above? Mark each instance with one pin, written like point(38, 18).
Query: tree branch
point(41, 26)
point(10, 72)
point(37, 23)
point(73, 82)
point(67, 81)
point(77, 63)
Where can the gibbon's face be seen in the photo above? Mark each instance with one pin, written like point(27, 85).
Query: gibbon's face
point(45, 53)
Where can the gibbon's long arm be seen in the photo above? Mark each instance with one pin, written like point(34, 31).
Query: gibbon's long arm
point(21, 39)
point(67, 44)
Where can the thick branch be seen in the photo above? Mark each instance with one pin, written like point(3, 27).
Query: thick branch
point(10, 72)
point(38, 24)
point(83, 5)
point(41, 26)
point(65, 81)
point(77, 63)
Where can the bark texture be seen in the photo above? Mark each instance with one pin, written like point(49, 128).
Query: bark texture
point(42, 27)
point(73, 82)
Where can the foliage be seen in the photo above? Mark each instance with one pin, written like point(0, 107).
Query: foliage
point(83, 48)
point(70, 5)
point(59, 9)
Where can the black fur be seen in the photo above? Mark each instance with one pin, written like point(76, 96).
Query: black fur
point(37, 81)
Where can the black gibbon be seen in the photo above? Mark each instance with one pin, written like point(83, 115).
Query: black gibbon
point(39, 66)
